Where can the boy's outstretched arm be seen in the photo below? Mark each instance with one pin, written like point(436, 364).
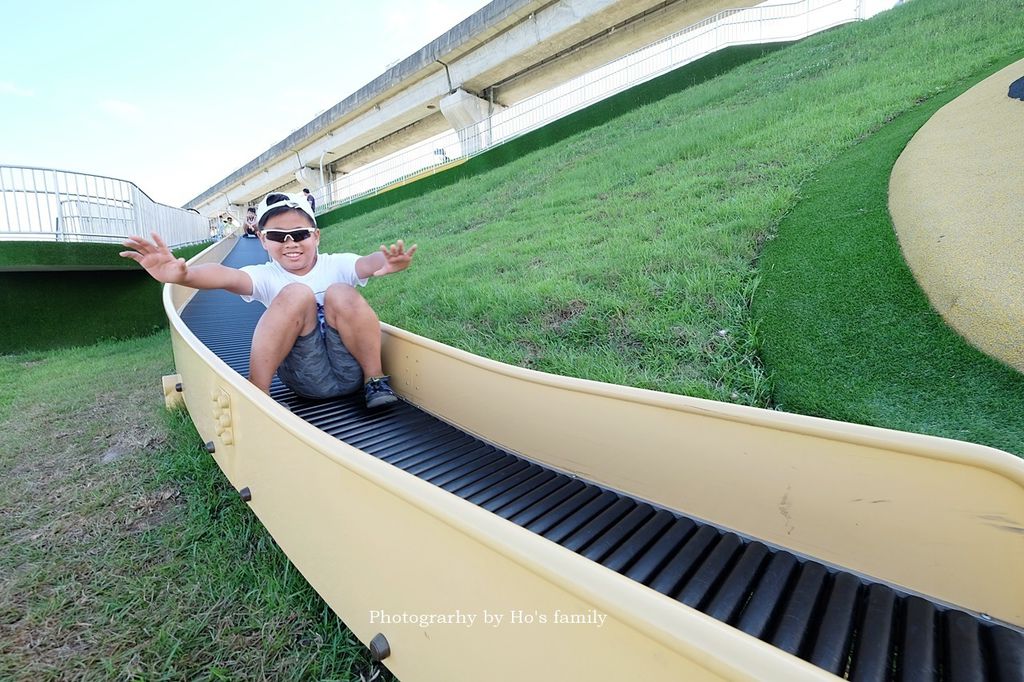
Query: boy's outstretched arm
point(162, 266)
point(386, 261)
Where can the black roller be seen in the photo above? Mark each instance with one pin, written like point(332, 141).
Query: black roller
point(871, 661)
point(794, 627)
point(738, 583)
point(918, 641)
point(964, 657)
point(711, 572)
point(833, 637)
point(769, 595)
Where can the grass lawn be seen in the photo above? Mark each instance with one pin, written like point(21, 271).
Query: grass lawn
point(124, 553)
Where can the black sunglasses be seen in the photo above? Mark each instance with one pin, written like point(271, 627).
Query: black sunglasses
point(297, 235)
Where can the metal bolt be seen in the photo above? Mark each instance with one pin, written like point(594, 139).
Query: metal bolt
point(178, 387)
point(210, 447)
point(379, 647)
point(246, 494)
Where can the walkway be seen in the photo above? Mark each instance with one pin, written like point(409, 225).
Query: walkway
point(956, 196)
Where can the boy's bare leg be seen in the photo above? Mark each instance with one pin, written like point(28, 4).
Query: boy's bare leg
point(291, 314)
point(359, 327)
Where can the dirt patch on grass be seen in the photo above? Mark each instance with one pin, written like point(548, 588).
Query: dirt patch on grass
point(531, 353)
point(152, 509)
point(564, 315)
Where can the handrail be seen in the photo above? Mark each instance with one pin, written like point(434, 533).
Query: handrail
point(743, 26)
point(47, 204)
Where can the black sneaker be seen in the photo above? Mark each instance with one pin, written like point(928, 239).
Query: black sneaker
point(378, 392)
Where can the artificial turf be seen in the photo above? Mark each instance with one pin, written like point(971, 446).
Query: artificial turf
point(62, 295)
point(848, 334)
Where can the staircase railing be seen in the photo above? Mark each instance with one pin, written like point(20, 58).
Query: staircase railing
point(45, 204)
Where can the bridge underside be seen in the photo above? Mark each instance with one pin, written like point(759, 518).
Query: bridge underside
point(506, 52)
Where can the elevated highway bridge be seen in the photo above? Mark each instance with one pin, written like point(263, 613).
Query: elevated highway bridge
point(504, 53)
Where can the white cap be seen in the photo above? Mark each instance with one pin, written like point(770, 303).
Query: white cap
point(278, 200)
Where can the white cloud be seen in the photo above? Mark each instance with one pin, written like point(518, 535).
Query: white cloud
point(125, 111)
point(8, 88)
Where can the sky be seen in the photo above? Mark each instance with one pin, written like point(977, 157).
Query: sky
point(174, 96)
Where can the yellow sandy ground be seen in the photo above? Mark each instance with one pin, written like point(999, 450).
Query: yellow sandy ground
point(956, 196)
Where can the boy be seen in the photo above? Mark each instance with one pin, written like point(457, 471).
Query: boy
point(250, 222)
point(318, 333)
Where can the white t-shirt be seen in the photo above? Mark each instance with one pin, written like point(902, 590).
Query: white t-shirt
point(268, 279)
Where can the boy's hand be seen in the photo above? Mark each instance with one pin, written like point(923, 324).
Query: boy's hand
point(396, 258)
point(156, 258)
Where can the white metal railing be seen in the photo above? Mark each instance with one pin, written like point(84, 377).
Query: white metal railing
point(43, 204)
point(765, 23)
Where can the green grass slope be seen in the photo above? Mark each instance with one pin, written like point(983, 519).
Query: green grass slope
point(627, 253)
point(847, 332)
point(704, 69)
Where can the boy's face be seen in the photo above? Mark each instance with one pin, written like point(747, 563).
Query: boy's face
point(297, 257)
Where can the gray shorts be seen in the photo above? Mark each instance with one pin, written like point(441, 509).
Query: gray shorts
point(319, 366)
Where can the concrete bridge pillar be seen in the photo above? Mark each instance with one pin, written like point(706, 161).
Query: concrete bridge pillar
point(470, 116)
